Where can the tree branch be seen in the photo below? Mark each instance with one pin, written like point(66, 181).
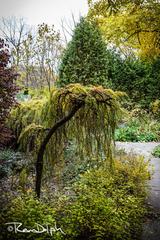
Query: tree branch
point(39, 163)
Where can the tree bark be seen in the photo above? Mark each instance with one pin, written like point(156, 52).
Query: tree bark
point(39, 163)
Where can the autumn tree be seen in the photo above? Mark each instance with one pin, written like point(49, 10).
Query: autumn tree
point(8, 90)
point(85, 60)
point(130, 24)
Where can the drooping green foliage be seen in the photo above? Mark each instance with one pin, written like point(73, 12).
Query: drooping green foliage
point(26, 113)
point(85, 59)
point(92, 127)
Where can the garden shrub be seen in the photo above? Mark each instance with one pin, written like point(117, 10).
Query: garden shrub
point(26, 113)
point(108, 205)
point(28, 210)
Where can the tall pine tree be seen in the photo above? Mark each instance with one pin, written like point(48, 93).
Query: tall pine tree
point(85, 59)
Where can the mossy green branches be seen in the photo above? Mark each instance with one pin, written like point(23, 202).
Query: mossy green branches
point(26, 113)
point(85, 59)
point(30, 137)
point(87, 115)
point(97, 114)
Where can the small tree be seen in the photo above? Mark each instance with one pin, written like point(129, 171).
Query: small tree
point(8, 89)
point(85, 59)
point(48, 49)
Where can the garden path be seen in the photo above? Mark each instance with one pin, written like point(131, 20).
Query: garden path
point(151, 226)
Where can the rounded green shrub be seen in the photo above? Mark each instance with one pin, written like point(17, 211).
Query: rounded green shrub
point(108, 205)
point(29, 211)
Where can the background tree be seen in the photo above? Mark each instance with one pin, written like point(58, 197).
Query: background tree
point(28, 59)
point(47, 53)
point(85, 58)
point(35, 52)
point(14, 31)
point(40, 53)
point(130, 24)
point(8, 90)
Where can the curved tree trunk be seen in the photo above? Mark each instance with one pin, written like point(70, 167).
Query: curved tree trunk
point(39, 163)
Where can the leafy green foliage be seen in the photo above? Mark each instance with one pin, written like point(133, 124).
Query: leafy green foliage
point(85, 60)
point(29, 211)
point(138, 129)
point(107, 205)
point(156, 151)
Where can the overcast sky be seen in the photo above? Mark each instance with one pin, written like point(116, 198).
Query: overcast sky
point(39, 11)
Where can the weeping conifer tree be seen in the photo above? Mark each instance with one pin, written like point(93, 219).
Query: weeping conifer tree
point(86, 114)
point(85, 59)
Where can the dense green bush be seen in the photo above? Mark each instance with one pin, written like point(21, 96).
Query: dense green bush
point(28, 210)
point(108, 205)
point(134, 134)
point(139, 79)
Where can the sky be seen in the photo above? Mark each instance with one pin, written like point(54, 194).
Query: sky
point(48, 11)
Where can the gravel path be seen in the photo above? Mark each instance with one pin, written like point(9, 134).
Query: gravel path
point(151, 227)
point(140, 148)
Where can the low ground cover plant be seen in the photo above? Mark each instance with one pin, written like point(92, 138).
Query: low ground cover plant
point(10, 161)
point(139, 127)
